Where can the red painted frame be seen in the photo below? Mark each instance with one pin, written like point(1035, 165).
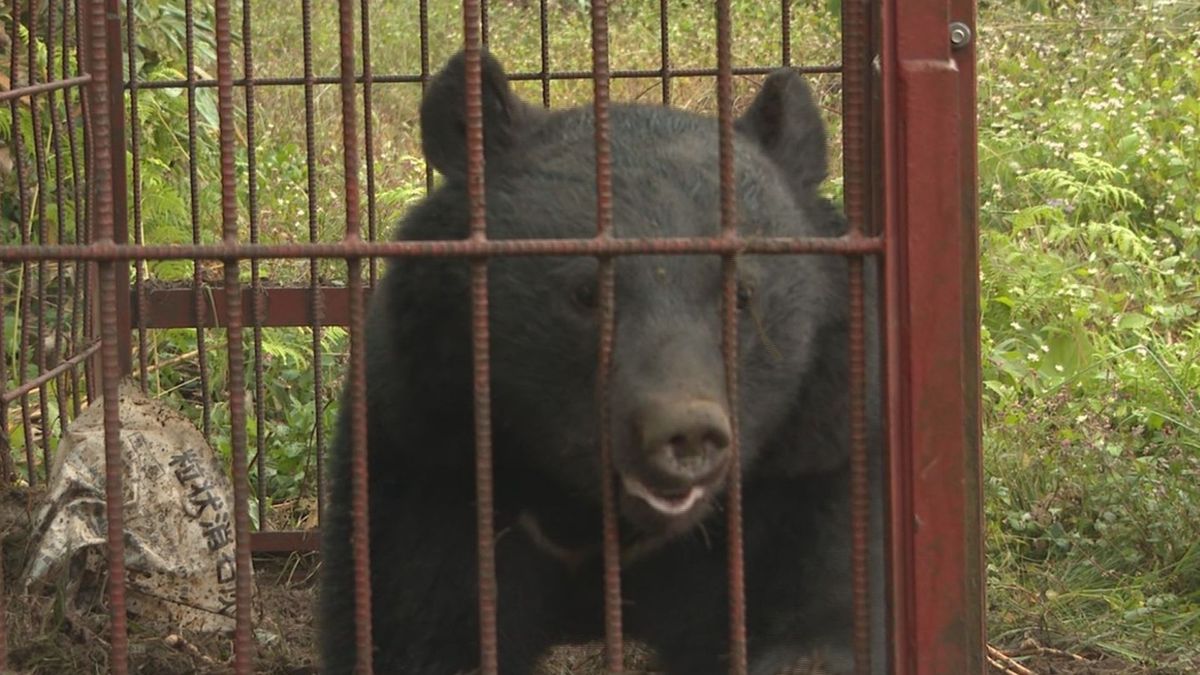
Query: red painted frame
point(931, 325)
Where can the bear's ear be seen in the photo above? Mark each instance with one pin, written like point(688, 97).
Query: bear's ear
point(444, 114)
point(785, 122)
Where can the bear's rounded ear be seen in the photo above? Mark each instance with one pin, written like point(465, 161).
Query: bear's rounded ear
point(785, 122)
point(444, 114)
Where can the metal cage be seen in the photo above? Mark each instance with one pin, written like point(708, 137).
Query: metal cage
point(908, 93)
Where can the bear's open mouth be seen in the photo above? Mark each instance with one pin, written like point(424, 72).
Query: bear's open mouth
point(673, 503)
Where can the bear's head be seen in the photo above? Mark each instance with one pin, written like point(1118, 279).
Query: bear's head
point(671, 424)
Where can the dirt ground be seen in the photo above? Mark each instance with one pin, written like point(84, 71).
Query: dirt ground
point(45, 636)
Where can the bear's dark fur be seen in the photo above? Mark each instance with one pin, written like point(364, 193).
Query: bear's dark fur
point(669, 408)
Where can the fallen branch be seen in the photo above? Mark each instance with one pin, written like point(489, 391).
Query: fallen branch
point(179, 643)
point(1005, 663)
point(155, 367)
point(1031, 646)
point(1000, 667)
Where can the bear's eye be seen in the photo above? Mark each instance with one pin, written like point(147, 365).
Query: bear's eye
point(744, 295)
point(584, 296)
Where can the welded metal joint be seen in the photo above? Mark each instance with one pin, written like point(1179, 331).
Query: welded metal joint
point(960, 35)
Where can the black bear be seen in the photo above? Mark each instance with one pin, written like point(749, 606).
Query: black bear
point(670, 419)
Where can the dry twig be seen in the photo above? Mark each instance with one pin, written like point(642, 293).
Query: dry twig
point(178, 642)
point(1005, 663)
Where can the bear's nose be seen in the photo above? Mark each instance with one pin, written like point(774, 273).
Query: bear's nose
point(686, 439)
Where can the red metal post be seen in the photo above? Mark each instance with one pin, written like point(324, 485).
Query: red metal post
point(931, 276)
point(962, 38)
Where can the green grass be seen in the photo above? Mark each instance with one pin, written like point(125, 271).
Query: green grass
point(1090, 237)
point(1089, 167)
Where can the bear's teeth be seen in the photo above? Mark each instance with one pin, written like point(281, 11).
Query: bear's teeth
point(671, 507)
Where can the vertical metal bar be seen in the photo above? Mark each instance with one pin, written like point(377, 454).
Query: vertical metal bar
point(358, 401)
point(91, 309)
point(116, 130)
point(135, 141)
point(243, 650)
point(423, 31)
point(873, 125)
point(60, 218)
point(484, 26)
point(368, 77)
point(6, 461)
point(976, 601)
point(3, 602)
point(613, 638)
point(860, 497)
point(316, 305)
point(260, 434)
point(102, 203)
point(544, 28)
point(854, 99)
point(39, 154)
point(899, 524)
point(7, 470)
point(199, 306)
point(664, 35)
point(79, 274)
point(485, 527)
point(729, 342)
point(22, 315)
point(936, 567)
point(785, 32)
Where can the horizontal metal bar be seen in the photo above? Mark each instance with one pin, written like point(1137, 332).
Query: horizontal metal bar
point(21, 92)
point(285, 541)
point(416, 78)
point(281, 307)
point(25, 388)
point(104, 251)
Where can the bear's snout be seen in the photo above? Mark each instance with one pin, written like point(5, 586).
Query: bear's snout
point(686, 440)
point(682, 453)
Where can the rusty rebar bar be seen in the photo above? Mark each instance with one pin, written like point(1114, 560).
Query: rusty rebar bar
point(101, 201)
point(360, 530)
point(729, 341)
point(613, 637)
point(198, 284)
point(103, 251)
point(243, 649)
point(317, 309)
point(854, 100)
point(485, 525)
point(414, 78)
point(256, 305)
point(135, 151)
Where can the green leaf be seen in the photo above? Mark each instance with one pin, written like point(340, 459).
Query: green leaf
point(1133, 321)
